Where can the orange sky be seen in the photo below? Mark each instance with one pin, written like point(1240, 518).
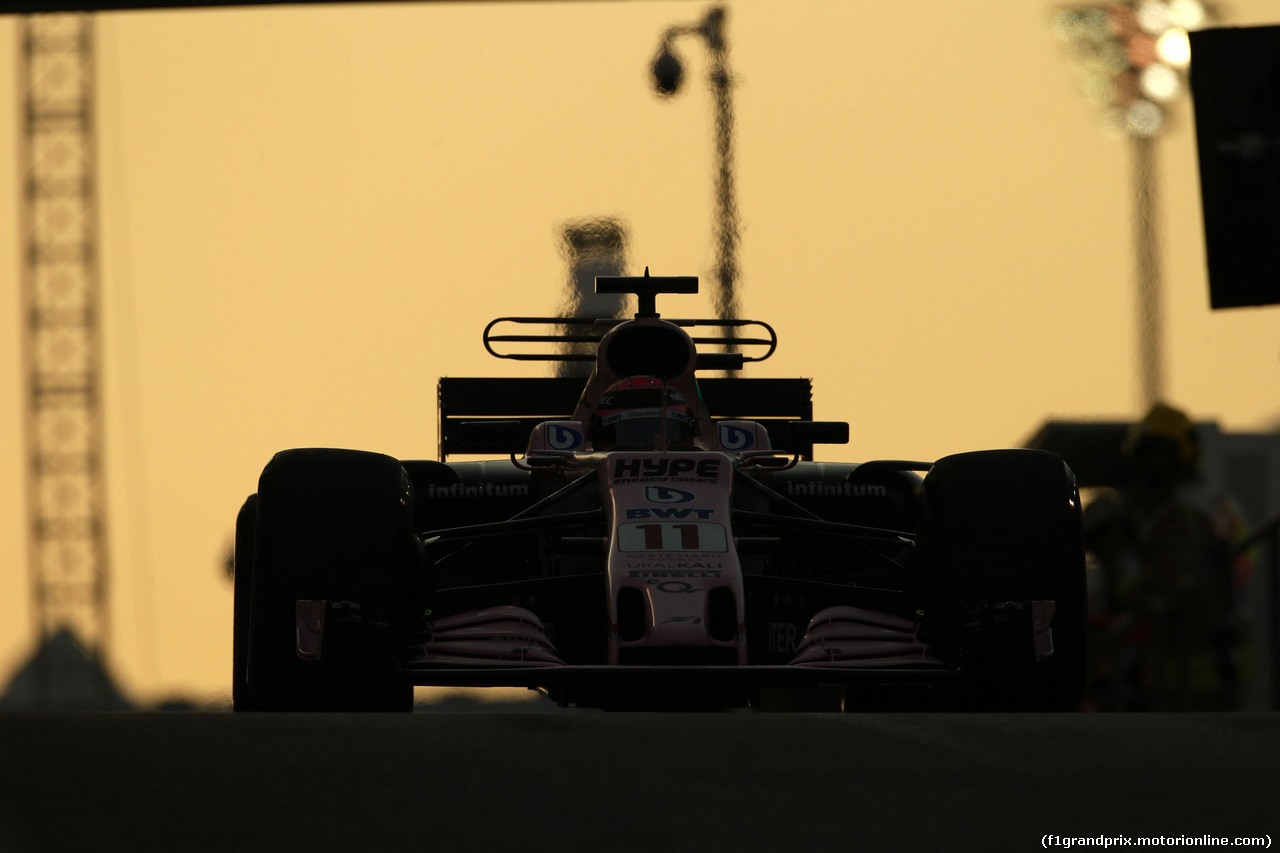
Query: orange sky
point(310, 213)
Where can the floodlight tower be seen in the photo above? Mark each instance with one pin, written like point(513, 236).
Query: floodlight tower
point(1133, 55)
point(62, 346)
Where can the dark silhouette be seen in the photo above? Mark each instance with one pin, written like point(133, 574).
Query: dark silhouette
point(1162, 597)
point(591, 247)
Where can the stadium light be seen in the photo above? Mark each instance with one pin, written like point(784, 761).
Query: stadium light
point(1133, 57)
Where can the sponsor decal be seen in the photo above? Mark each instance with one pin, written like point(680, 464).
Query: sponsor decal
point(643, 470)
point(561, 437)
point(484, 490)
point(640, 414)
point(669, 512)
point(666, 495)
point(675, 587)
point(668, 536)
point(666, 558)
point(817, 488)
point(736, 438)
point(783, 637)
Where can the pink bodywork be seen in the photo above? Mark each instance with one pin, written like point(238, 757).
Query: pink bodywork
point(852, 637)
point(672, 540)
point(496, 636)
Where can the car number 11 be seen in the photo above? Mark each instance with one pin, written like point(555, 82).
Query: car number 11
point(672, 536)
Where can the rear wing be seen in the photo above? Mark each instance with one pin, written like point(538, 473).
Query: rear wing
point(576, 337)
point(532, 400)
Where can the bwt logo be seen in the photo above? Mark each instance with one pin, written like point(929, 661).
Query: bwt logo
point(666, 495)
point(670, 512)
point(735, 437)
point(560, 437)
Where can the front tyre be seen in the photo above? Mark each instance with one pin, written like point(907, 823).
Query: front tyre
point(333, 526)
point(1000, 529)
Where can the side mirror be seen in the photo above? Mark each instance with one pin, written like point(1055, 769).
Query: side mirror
point(486, 433)
point(817, 432)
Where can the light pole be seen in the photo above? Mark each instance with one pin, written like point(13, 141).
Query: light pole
point(1133, 54)
point(668, 72)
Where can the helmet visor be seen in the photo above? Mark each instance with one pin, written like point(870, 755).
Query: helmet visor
point(639, 429)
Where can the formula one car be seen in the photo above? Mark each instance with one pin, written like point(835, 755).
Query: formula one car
point(648, 539)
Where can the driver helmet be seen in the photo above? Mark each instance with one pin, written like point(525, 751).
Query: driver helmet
point(1164, 444)
point(629, 416)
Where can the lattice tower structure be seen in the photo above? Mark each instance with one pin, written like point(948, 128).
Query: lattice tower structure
point(592, 247)
point(66, 494)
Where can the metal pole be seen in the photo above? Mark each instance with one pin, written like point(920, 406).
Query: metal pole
point(726, 297)
point(1147, 256)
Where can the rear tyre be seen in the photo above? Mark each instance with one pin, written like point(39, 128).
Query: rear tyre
point(1004, 526)
point(334, 526)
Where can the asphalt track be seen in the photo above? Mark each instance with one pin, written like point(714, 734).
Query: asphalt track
point(577, 780)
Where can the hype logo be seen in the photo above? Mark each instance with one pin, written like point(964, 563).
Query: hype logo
point(666, 495)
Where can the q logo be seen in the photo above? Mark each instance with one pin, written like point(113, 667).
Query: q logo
point(665, 495)
point(561, 437)
point(735, 437)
